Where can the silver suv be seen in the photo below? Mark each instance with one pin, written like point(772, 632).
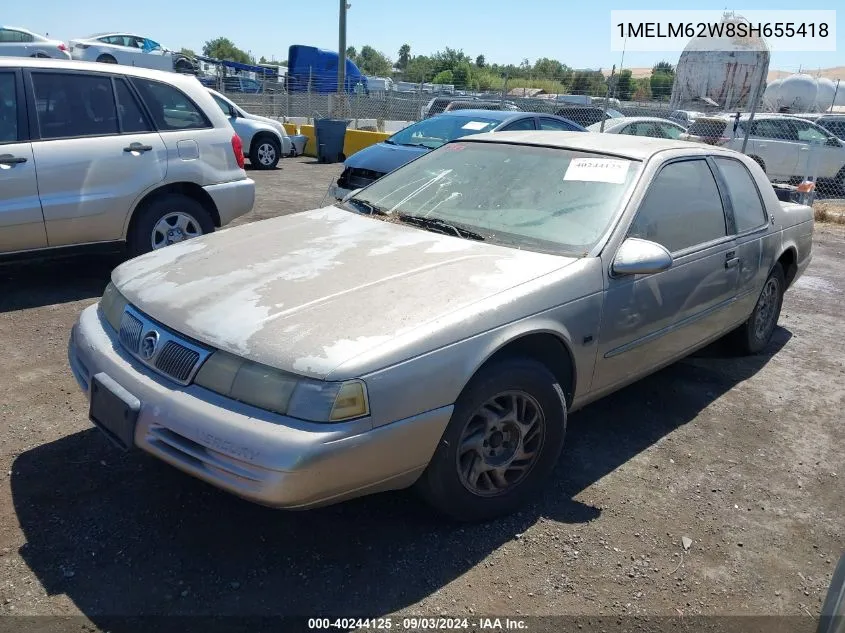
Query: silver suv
point(99, 154)
point(265, 140)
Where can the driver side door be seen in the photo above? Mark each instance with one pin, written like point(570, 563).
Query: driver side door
point(649, 321)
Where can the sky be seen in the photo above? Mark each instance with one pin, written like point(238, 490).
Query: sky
point(504, 32)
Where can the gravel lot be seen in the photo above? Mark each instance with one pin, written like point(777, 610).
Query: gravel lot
point(744, 456)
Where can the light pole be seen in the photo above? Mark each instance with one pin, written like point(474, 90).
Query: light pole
point(341, 45)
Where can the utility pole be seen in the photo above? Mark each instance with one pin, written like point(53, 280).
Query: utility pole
point(341, 53)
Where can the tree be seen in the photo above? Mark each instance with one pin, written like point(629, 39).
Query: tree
point(224, 48)
point(351, 54)
point(663, 67)
point(462, 75)
point(443, 77)
point(419, 69)
point(404, 56)
point(448, 59)
point(373, 62)
point(480, 61)
point(263, 60)
point(624, 86)
point(187, 52)
point(642, 90)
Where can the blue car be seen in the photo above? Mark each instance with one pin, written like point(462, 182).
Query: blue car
point(371, 163)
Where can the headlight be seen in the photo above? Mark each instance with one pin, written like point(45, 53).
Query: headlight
point(112, 304)
point(272, 389)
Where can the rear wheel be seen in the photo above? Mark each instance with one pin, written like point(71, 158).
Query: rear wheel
point(502, 443)
point(265, 152)
point(166, 220)
point(753, 336)
point(106, 59)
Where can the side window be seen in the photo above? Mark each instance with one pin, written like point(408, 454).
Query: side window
point(835, 127)
point(12, 36)
point(809, 133)
point(748, 208)
point(554, 124)
point(70, 105)
point(223, 105)
point(170, 107)
point(8, 109)
point(682, 207)
point(132, 118)
point(670, 131)
point(522, 124)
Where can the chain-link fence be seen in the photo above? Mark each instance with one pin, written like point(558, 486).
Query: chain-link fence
point(797, 139)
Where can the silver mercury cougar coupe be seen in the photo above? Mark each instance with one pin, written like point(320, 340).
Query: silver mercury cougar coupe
point(436, 328)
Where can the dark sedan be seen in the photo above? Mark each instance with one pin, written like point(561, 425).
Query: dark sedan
point(371, 163)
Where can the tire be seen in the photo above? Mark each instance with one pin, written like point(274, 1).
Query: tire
point(840, 181)
point(106, 59)
point(753, 336)
point(176, 210)
point(265, 152)
point(451, 483)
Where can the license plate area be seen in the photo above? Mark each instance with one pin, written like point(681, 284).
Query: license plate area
point(113, 410)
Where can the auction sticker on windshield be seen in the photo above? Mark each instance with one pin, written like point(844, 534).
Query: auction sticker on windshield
point(610, 170)
point(475, 125)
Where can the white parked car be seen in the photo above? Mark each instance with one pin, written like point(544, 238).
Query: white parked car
point(265, 140)
point(18, 42)
point(129, 50)
point(103, 156)
point(787, 148)
point(640, 126)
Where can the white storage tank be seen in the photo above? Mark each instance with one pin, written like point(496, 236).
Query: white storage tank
point(824, 96)
point(727, 70)
point(772, 93)
point(798, 93)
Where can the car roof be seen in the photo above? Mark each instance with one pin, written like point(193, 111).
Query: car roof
point(17, 28)
point(496, 115)
point(625, 120)
point(634, 147)
point(177, 79)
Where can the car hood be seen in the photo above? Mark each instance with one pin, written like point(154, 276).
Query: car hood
point(276, 124)
point(312, 291)
point(383, 157)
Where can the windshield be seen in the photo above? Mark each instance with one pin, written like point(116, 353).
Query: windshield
point(434, 132)
point(550, 200)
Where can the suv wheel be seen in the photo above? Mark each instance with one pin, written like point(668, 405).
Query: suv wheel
point(265, 152)
point(167, 220)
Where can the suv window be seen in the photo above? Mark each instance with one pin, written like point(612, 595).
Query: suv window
point(10, 35)
point(808, 132)
point(8, 109)
point(223, 105)
point(132, 118)
point(554, 124)
point(70, 105)
point(774, 129)
point(701, 217)
point(170, 107)
point(521, 124)
point(748, 208)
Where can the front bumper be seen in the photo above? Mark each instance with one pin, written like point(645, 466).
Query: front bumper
point(232, 199)
point(267, 458)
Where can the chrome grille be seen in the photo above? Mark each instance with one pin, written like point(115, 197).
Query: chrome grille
point(159, 348)
point(176, 360)
point(130, 332)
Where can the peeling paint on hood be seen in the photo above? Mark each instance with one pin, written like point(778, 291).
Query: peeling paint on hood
point(308, 292)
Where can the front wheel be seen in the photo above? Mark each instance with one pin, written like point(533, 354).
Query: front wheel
point(106, 59)
point(502, 443)
point(167, 220)
point(754, 335)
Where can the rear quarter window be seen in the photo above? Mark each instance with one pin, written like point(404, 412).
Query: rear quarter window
point(749, 212)
point(170, 108)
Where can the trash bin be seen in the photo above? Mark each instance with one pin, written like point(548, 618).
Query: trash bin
point(330, 136)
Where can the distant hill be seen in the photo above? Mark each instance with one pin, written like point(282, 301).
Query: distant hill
point(837, 72)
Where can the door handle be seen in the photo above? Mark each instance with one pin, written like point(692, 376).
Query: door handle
point(805, 149)
point(732, 262)
point(8, 159)
point(762, 145)
point(137, 147)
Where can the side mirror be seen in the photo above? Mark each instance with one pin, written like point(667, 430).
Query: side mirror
point(832, 618)
point(354, 192)
point(640, 257)
point(233, 113)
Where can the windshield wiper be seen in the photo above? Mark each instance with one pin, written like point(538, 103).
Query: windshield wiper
point(389, 142)
point(362, 206)
point(440, 226)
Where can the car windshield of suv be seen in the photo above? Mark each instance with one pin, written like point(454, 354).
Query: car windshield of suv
point(434, 132)
point(550, 200)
